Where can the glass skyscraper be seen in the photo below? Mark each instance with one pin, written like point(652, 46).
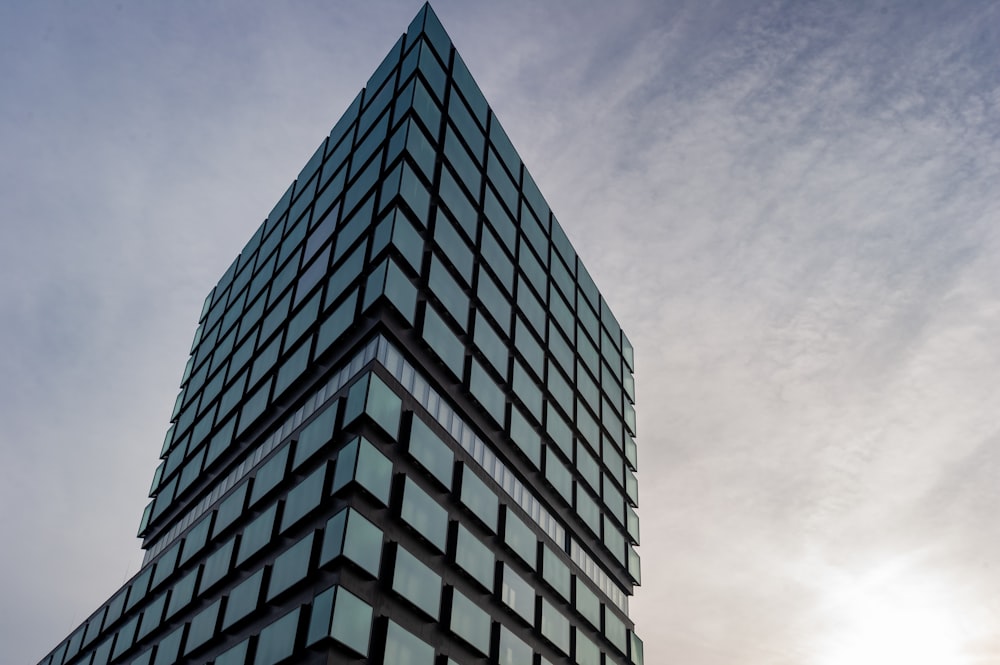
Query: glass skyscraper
point(405, 431)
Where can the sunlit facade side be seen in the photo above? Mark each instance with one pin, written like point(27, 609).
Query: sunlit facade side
point(405, 431)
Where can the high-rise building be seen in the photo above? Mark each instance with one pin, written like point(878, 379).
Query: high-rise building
point(405, 431)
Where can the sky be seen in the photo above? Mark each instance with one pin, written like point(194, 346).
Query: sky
point(793, 208)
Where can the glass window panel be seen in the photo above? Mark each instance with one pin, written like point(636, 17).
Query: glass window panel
point(401, 646)
point(474, 557)
point(417, 583)
point(614, 630)
point(555, 572)
point(468, 127)
point(447, 290)
point(337, 321)
point(269, 475)
point(497, 258)
point(359, 461)
point(243, 599)
point(443, 341)
point(316, 434)
point(587, 603)
point(493, 299)
point(463, 79)
point(217, 565)
point(165, 564)
point(470, 622)
point(230, 509)
point(291, 567)
point(525, 437)
point(587, 652)
point(519, 537)
point(517, 594)
point(454, 246)
point(587, 465)
point(588, 510)
point(292, 368)
point(479, 498)
point(125, 635)
point(277, 641)
point(321, 616)
point(183, 592)
point(257, 534)
point(170, 647)
point(526, 388)
point(558, 429)
point(423, 513)
point(498, 216)
point(303, 498)
point(490, 343)
point(350, 534)
point(555, 626)
point(487, 392)
point(636, 650)
point(383, 405)
point(236, 655)
point(431, 452)
point(531, 309)
point(558, 475)
point(352, 621)
point(102, 653)
point(254, 406)
point(152, 615)
point(513, 650)
point(139, 587)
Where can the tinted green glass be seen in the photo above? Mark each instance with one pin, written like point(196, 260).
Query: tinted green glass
point(402, 646)
point(230, 509)
point(277, 641)
point(243, 599)
point(487, 392)
point(520, 538)
point(217, 565)
point(257, 534)
point(479, 498)
point(169, 649)
point(236, 655)
point(513, 650)
point(352, 621)
point(416, 582)
point(269, 475)
point(614, 630)
point(555, 626)
point(443, 341)
point(303, 498)
point(203, 627)
point(555, 572)
point(350, 534)
point(151, 616)
point(361, 462)
point(517, 594)
point(587, 652)
point(316, 434)
point(195, 539)
point(474, 558)
point(587, 603)
point(183, 592)
point(431, 452)
point(470, 622)
point(424, 514)
point(558, 474)
point(525, 437)
point(290, 567)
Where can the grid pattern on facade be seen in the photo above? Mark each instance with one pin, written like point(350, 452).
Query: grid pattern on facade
point(393, 391)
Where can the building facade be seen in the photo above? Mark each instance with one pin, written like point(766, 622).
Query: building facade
point(405, 431)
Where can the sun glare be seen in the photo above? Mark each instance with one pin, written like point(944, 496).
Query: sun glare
point(893, 624)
